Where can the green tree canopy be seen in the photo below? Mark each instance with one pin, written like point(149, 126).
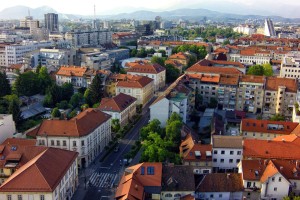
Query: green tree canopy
point(268, 71)
point(96, 89)
point(44, 79)
point(172, 73)
point(27, 84)
point(55, 113)
point(14, 107)
point(67, 91)
point(88, 97)
point(158, 60)
point(5, 88)
point(260, 70)
point(76, 100)
point(277, 117)
point(153, 126)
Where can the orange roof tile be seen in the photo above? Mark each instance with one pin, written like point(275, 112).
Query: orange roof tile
point(210, 79)
point(212, 70)
point(117, 103)
point(229, 80)
point(273, 83)
point(146, 68)
point(135, 82)
point(71, 71)
point(252, 79)
point(253, 169)
point(180, 56)
point(220, 63)
point(265, 126)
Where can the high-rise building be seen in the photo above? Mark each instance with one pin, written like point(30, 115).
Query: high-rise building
point(29, 22)
point(269, 28)
point(51, 22)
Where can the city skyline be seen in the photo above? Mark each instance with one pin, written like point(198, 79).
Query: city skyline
point(268, 7)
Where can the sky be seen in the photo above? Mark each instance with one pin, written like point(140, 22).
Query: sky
point(288, 8)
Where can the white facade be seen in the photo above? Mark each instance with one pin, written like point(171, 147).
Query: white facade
point(7, 127)
point(257, 58)
point(77, 81)
point(88, 146)
point(220, 195)
point(246, 30)
point(290, 65)
point(275, 187)
point(226, 158)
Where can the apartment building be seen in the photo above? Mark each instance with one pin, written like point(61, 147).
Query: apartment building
point(223, 63)
point(227, 152)
point(140, 87)
point(176, 98)
point(153, 71)
point(265, 129)
point(180, 57)
point(48, 173)
point(255, 57)
point(87, 133)
point(30, 23)
point(212, 70)
point(280, 96)
point(93, 38)
point(124, 38)
point(250, 94)
point(71, 74)
point(227, 90)
point(290, 65)
point(7, 127)
point(121, 107)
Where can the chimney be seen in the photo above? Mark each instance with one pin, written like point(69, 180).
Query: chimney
point(281, 168)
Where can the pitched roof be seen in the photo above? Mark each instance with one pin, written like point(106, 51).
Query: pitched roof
point(220, 63)
point(253, 169)
point(222, 141)
point(135, 82)
point(229, 79)
point(71, 71)
point(180, 56)
point(252, 79)
point(221, 183)
point(267, 126)
point(132, 183)
point(212, 70)
point(117, 103)
point(273, 149)
point(81, 125)
point(46, 169)
point(148, 68)
point(273, 83)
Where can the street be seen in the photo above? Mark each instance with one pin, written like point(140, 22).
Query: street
point(100, 179)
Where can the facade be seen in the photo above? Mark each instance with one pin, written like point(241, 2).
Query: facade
point(54, 171)
point(228, 87)
point(250, 94)
point(7, 127)
point(121, 107)
point(253, 57)
point(153, 71)
point(30, 23)
point(124, 38)
point(139, 87)
point(265, 129)
point(269, 28)
point(93, 38)
point(244, 29)
point(71, 74)
point(181, 58)
point(51, 22)
point(227, 152)
point(280, 96)
point(87, 133)
point(177, 98)
point(290, 65)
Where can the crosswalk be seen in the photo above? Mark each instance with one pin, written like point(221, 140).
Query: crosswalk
point(102, 180)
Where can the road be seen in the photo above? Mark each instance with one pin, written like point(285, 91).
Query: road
point(102, 178)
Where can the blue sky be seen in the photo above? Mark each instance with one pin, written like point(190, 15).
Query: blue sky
point(288, 8)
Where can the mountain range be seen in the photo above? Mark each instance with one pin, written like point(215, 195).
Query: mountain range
point(19, 12)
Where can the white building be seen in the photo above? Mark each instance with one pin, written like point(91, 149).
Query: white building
point(14, 53)
point(72, 74)
point(290, 65)
point(269, 28)
point(227, 152)
point(87, 133)
point(51, 173)
point(244, 29)
point(252, 57)
point(7, 127)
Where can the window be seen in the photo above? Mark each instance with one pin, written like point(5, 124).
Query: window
point(238, 160)
point(211, 196)
point(222, 152)
point(215, 152)
point(279, 179)
point(150, 170)
point(19, 197)
point(8, 197)
point(64, 143)
point(273, 179)
point(248, 184)
point(74, 144)
point(239, 153)
point(222, 160)
point(177, 195)
point(220, 195)
point(231, 152)
point(275, 189)
point(52, 142)
point(58, 143)
point(82, 142)
point(142, 170)
point(168, 195)
point(214, 160)
point(230, 160)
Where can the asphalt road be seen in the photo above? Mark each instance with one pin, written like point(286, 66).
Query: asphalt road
point(101, 184)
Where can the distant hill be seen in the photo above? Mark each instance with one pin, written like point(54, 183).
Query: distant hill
point(19, 12)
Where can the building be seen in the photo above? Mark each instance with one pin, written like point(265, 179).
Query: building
point(124, 38)
point(244, 29)
point(93, 38)
point(87, 133)
point(180, 57)
point(71, 74)
point(211, 70)
point(227, 90)
point(176, 98)
point(255, 57)
point(269, 28)
point(7, 127)
point(153, 71)
point(223, 63)
point(265, 129)
point(121, 107)
point(280, 96)
point(290, 65)
point(220, 186)
point(30, 23)
point(227, 152)
point(140, 87)
point(196, 154)
point(250, 94)
point(51, 22)
point(49, 173)
point(141, 181)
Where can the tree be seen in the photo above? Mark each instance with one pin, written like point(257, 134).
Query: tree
point(14, 107)
point(27, 84)
point(76, 100)
point(226, 42)
point(153, 126)
point(158, 60)
point(163, 53)
point(174, 117)
point(73, 114)
point(55, 113)
point(96, 89)
point(133, 53)
point(257, 70)
point(4, 85)
point(173, 132)
point(198, 99)
point(213, 103)
point(141, 53)
point(201, 52)
point(277, 117)
point(53, 95)
point(88, 97)
point(268, 70)
point(115, 125)
point(67, 90)
point(63, 105)
point(172, 73)
point(44, 79)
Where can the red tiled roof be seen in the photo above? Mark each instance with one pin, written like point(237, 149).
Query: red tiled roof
point(117, 103)
point(180, 56)
point(261, 126)
point(229, 79)
point(212, 70)
point(273, 83)
point(42, 173)
point(252, 79)
point(220, 63)
point(135, 82)
point(71, 71)
point(253, 169)
point(81, 125)
point(146, 68)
